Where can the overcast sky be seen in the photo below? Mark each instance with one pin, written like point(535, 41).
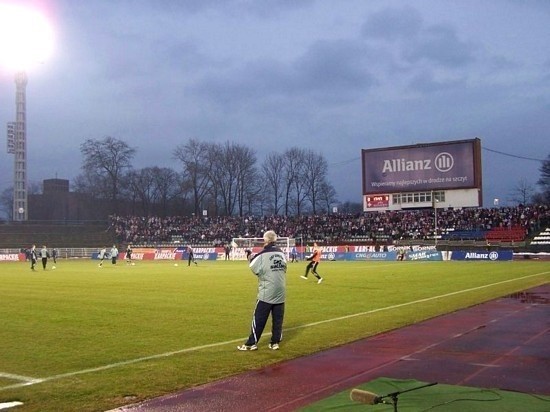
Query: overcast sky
point(334, 76)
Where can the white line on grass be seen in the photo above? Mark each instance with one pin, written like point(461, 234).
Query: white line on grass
point(7, 405)
point(400, 305)
point(28, 380)
point(212, 345)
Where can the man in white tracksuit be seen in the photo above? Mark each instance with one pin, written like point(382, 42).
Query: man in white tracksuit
point(270, 267)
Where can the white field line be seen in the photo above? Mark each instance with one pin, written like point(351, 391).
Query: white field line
point(216, 344)
point(28, 380)
point(7, 405)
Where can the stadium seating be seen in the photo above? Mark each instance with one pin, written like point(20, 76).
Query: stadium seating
point(476, 234)
point(504, 234)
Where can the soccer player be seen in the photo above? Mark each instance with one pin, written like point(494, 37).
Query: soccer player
point(44, 254)
point(293, 254)
point(114, 254)
point(269, 265)
point(129, 255)
point(33, 257)
point(314, 260)
point(101, 255)
point(191, 256)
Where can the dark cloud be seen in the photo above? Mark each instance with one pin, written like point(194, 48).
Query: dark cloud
point(334, 66)
point(440, 45)
point(426, 82)
point(416, 40)
point(393, 24)
point(328, 72)
point(280, 73)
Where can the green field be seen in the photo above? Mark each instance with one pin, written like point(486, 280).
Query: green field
point(83, 338)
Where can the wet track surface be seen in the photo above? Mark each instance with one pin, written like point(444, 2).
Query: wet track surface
point(504, 343)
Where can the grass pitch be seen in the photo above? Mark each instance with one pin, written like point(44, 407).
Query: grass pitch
point(90, 339)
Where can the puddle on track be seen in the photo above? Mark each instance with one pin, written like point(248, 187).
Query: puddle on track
point(530, 297)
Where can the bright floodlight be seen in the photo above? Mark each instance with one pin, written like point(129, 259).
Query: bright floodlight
point(26, 37)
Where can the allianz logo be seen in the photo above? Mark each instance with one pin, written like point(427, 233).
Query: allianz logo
point(476, 255)
point(443, 162)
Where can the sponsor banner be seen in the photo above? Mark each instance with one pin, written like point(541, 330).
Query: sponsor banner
point(138, 256)
point(424, 255)
point(146, 254)
point(448, 165)
point(333, 256)
point(372, 256)
point(492, 255)
point(368, 254)
point(164, 254)
point(12, 257)
point(203, 253)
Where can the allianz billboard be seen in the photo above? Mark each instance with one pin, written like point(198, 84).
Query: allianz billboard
point(493, 255)
point(422, 167)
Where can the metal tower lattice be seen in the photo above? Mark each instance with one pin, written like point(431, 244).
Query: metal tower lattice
point(19, 150)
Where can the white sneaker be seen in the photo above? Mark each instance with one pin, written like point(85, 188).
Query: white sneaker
point(273, 346)
point(320, 280)
point(247, 347)
point(303, 277)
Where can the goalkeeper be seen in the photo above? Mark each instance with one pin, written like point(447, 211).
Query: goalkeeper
point(314, 260)
point(269, 265)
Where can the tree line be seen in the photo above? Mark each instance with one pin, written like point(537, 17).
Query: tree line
point(223, 179)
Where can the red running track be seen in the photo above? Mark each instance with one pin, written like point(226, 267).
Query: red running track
point(502, 344)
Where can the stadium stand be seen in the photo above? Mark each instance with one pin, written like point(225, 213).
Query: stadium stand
point(504, 225)
point(474, 234)
point(504, 234)
point(474, 227)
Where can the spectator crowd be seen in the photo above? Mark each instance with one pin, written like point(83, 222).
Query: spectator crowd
point(335, 228)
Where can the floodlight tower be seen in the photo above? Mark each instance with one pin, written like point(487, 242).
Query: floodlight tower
point(26, 38)
point(20, 209)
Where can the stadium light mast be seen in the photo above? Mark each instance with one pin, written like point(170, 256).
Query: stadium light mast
point(20, 194)
point(25, 39)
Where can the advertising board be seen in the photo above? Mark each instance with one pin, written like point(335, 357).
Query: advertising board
point(431, 166)
point(482, 255)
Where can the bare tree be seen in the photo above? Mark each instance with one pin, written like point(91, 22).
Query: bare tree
point(141, 183)
point(522, 192)
point(105, 162)
point(232, 173)
point(168, 186)
point(154, 188)
point(254, 197)
point(196, 165)
point(326, 196)
point(293, 180)
point(272, 173)
point(246, 175)
point(223, 175)
point(315, 175)
point(544, 181)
